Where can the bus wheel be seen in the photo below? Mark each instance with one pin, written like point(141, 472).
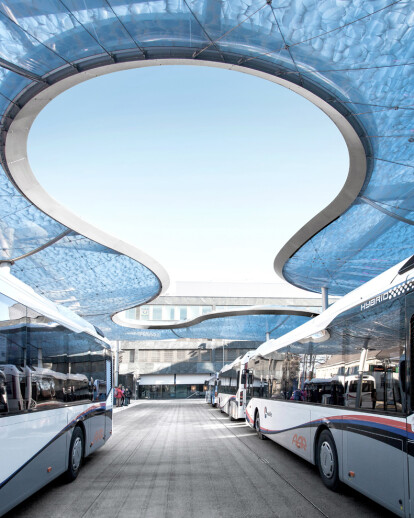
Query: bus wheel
point(257, 427)
point(327, 460)
point(75, 454)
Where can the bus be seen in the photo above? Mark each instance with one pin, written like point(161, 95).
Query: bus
point(55, 391)
point(363, 437)
point(211, 392)
point(233, 380)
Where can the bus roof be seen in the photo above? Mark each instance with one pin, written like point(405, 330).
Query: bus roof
point(315, 332)
point(17, 290)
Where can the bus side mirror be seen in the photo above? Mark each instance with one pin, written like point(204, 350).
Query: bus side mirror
point(243, 378)
point(250, 379)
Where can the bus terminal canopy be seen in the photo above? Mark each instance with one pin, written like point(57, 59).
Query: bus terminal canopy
point(255, 323)
point(352, 58)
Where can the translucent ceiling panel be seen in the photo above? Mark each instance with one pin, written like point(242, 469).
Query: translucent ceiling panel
point(392, 184)
point(99, 19)
point(20, 48)
point(88, 278)
point(52, 26)
point(361, 244)
point(23, 227)
point(159, 23)
point(10, 85)
point(239, 327)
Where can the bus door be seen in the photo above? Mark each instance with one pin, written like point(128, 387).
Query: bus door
point(374, 456)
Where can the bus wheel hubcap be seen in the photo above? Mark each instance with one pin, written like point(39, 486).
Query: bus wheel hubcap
point(76, 453)
point(327, 460)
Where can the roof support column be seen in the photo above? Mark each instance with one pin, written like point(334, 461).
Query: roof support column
point(325, 300)
point(116, 363)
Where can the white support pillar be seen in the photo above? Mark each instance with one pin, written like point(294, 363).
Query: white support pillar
point(325, 300)
point(116, 363)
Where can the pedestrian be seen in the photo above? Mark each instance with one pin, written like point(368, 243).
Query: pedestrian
point(373, 398)
point(118, 395)
point(127, 396)
point(122, 388)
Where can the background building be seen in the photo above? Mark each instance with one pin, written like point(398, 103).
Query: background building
point(179, 368)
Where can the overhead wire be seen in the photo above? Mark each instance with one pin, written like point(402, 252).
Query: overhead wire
point(212, 42)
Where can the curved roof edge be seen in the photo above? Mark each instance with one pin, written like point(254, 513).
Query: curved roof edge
point(253, 310)
point(355, 180)
point(22, 176)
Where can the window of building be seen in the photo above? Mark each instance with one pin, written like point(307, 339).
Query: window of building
point(156, 313)
point(130, 313)
point(194, 311)
point(144, 313)
point(183, 313)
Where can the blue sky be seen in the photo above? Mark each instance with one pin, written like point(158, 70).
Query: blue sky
point(209, 171)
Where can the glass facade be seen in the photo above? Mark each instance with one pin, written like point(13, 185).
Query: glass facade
point(167, 312)
point(171, 391)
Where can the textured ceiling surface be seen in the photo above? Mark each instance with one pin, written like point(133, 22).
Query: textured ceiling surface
point(247, 324)
point(356, 55)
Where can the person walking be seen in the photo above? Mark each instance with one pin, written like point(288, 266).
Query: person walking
point(118, 395)
point(127, 396)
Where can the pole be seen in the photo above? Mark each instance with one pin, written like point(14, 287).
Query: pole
point(325, 300)
point(116, 375)
point(267, 337)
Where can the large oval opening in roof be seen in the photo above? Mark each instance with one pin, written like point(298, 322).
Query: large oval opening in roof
point(208, 170)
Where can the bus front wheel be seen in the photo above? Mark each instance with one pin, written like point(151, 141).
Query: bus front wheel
point(76, 450)
point(327, 460)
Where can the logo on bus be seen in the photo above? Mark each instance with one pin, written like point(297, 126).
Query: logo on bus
point(266, 413)
point(99, 435)
point(299, 441)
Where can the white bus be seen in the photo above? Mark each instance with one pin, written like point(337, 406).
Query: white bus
point(55, 391)
point(367, 440)
point(233, 380)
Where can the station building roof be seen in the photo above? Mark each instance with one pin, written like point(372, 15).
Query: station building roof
point(352, 58)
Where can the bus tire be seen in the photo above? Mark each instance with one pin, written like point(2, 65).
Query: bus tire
point(257, 427)
point(327, 460)
point(76, 450)
point(231, 406)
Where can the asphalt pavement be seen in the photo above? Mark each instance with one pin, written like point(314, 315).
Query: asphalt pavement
point(184, 459)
